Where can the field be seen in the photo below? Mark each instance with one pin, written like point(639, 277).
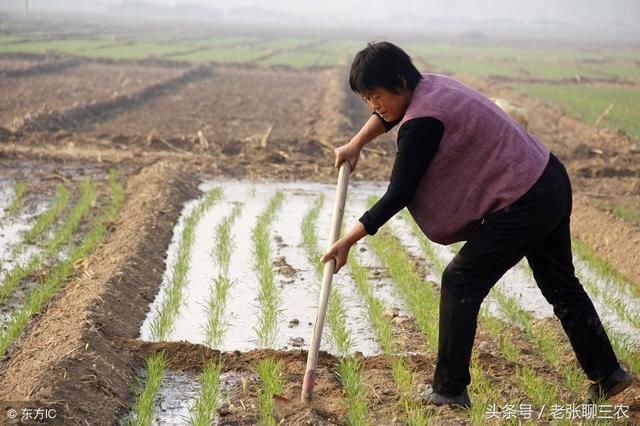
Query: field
point(166, 199)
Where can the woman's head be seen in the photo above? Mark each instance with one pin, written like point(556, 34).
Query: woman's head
point(383, 65)
point(385, 77)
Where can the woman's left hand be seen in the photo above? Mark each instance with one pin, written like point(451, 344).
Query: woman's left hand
point(339, 251)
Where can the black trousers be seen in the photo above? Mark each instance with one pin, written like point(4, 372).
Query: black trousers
point(536, 226)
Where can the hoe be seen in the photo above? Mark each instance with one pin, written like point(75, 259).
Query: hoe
point(327, 276)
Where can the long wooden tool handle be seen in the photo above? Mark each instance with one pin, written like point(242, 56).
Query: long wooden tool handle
point(327, 277)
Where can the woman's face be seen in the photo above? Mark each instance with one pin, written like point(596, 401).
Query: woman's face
point(390, 106)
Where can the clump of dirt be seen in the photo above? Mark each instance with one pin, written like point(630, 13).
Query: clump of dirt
point(283, 268)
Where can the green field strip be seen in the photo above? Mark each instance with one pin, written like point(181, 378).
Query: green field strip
point(616, 70)
point(498, 52)
point(270, 373)
point(74, 47)
point(618, 303)
point(626, 351)
point(627, 214)
point(423, 301)
point(281, 43)
point(48, 217)
point(204, 410)
point(58, 274)
point(588, 103)
point(224, 54)
point(216, 327)
point(268, 370)
point(164, 318)
point(8, 39)
point(483, 392)
point(303, 59)
point(342, 48)
point(469, 66)
point(136, 51)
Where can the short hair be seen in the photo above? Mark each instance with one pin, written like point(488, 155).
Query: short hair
point(382, 65)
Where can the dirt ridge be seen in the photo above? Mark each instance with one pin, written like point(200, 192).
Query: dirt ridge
point(40, 68)
point(81, 115)
point(72, 353)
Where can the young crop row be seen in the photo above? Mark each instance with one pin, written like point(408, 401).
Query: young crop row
point(204, 409)
point(620, 296)
point(269, 370)
point(349, 370)
point(62, 268)
point(161, 326)
point(162, 323)
point(538, 391)
point(19, 191)
point(403, 376)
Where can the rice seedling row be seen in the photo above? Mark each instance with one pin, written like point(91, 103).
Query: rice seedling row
point(203, 410)
point(523, 319)
point(423, 301)
point(269, 370)
point(20, 188)
point(348, 370)
point(163, 321)
point(59, 273)
point(403, 376)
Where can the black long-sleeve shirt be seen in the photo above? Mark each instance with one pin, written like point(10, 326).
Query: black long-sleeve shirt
point(418, 141)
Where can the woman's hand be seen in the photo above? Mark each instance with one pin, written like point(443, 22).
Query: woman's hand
point(339, 251)
point(349, 152)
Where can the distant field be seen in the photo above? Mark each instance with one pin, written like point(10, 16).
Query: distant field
point(586, 102)
point(589, 102)
point(483, 60)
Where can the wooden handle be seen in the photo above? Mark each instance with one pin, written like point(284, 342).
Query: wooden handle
point(327, 277)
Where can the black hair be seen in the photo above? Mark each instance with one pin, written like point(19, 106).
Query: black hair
point(382, 65)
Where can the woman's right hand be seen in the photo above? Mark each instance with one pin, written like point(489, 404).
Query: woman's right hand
point(349, 152)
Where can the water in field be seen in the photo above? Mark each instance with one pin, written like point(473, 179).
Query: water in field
point(296, 276)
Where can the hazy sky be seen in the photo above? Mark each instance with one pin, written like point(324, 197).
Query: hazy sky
point(624, 11)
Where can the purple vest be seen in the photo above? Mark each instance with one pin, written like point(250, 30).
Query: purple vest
point(485, 160)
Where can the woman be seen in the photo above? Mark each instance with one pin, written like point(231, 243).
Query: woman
point(468, 172)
